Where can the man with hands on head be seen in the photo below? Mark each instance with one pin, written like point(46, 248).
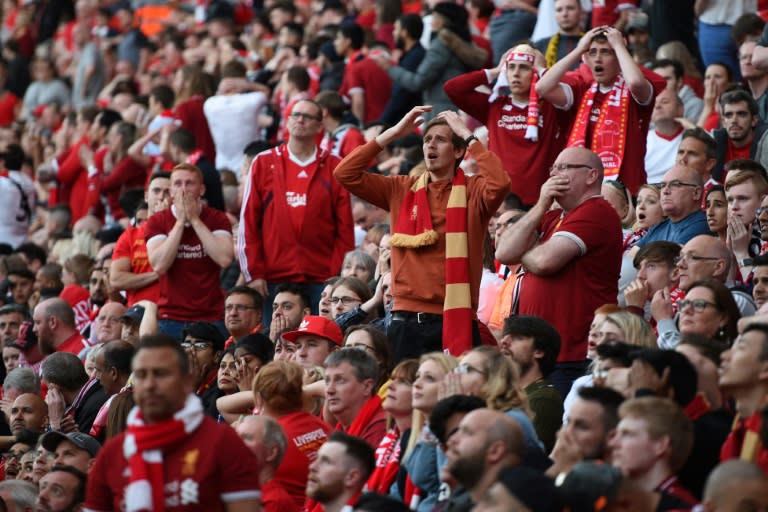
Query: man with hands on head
point(613, 109)
point(439, 220)
point(187, 245)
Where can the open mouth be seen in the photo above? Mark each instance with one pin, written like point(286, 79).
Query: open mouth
point(599, 69)
point(641, 216)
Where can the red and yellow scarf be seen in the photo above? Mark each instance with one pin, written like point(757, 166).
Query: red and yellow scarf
point(744, 442)
point(414, 230)
point(609, 135)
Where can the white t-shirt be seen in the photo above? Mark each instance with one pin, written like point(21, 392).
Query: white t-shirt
point(14, 220)
point(660, 155)
point(233, 121)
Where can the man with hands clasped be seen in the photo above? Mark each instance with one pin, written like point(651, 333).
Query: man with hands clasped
point(188, 244)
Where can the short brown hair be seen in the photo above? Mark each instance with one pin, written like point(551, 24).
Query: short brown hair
point(663, 417)
point(457, 141)
point(740, 175)
point(279, 384)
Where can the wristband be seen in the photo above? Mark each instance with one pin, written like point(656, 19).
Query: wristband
point(469, 139)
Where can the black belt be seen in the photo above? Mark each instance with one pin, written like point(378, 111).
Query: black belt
point(420, 318)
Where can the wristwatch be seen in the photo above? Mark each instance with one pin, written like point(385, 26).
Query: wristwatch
point(746, 262)
point(469, 139)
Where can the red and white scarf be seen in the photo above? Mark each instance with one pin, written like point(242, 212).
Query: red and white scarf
point(142, 448)
point(609, 135)
point(501, 88)
point(414, 229)
point(387, 463)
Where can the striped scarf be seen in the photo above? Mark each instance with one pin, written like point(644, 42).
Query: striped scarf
point(414, 230)
point(609, 134)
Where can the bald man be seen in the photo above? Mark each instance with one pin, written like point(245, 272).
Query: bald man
point(570, 251)
point(736, 485)
point(54, 324)
point(485, 442)
point(108, 325)
point(681, 192)
point(28, 412)
point(702, 257)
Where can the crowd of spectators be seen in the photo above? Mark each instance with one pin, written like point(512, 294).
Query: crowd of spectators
point(384, 255)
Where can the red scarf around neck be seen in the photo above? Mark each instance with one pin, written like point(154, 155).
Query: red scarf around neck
point(364, 417)
point(387, 463)
point(142, 447)
point(609, 134)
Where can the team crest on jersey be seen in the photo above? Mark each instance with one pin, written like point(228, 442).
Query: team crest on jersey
point(190, 462)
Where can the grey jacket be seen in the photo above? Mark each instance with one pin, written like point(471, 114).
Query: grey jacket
point(440, 64)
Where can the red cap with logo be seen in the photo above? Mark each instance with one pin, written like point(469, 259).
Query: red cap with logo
point(317, 326)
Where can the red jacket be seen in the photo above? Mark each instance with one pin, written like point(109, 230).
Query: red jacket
point(268, 246)
point(73, 181)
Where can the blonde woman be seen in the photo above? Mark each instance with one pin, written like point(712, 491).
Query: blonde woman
point(486, 373)
point(617, 326)
point(422, 455)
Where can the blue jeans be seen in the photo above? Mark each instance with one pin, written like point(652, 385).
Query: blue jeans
point(175, 328)
point(716, 45)
point(508, 29)
point(313, 290)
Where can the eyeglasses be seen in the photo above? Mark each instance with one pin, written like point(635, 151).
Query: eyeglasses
point(197, 345)
point(466, 368)
point(761, 211)
point(303, 116)
point(686, 258)
point(675, 184)
point(10, 456)
point(699, 305)
point(344, 300)
point(361, 346)
point(240, 308)
point(567, 167)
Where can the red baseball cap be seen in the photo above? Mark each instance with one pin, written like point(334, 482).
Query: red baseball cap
point(317, 326)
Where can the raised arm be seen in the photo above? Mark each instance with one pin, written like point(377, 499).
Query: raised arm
point(639, 86)
point(548, 86)
point(519, 239)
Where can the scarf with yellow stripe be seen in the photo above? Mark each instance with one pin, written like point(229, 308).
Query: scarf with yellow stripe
point(414, 230)
point(744, 442)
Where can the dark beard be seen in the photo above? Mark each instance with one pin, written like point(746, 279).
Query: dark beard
point(468, 470)
point(400, 43)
